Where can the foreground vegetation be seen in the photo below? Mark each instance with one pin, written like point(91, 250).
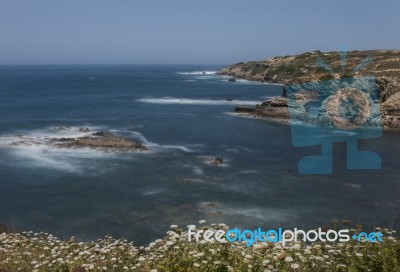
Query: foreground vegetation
point(28, 251)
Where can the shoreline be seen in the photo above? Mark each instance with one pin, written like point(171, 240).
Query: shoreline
point(256, 116)
point(254, 113)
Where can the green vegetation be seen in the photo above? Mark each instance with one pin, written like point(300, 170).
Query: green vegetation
point(258, 70)
point(326, 77)
point(279, 69)
point(38, 252)
point(303, 68)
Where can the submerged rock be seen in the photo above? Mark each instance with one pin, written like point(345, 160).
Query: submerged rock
point(216, 161)
point(64, 127)
point(84, 130)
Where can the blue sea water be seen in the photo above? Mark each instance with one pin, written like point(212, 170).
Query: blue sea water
point(182, 114)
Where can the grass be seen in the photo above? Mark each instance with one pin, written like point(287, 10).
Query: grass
point(28, 251)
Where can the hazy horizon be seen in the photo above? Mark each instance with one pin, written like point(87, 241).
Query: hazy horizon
point(188, 32)
point(173, 64)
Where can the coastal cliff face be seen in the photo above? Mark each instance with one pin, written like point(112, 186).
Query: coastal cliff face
point(303, 68)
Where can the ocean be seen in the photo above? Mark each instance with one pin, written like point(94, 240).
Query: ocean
point(183, 114)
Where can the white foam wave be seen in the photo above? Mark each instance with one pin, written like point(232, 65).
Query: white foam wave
point(32, 150)
point(346, 133)
point(82, 162)
point(256, 213)
point(39, 137)
point(156, 146)
point(226, 78)
point(244, 81)
point(205, 102)
point(243, 115)
point(249, 172)
point(198, 170)
point(61, 131)
point(198, 73)
point(249, 213)
point(152, 192)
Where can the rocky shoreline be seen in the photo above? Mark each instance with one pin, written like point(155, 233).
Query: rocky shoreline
point(101, 140)
point(274, 109)
point(303, 69)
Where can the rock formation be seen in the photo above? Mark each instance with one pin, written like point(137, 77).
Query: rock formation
point(303, 69)
point(96, 140)
point(99, 140)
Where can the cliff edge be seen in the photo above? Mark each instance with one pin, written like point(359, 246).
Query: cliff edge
point(303, 69)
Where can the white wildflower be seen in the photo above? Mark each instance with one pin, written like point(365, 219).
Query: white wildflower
point(289, 259)
point(294, 266)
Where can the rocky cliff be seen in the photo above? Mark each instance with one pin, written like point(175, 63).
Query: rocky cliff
point(384, 65)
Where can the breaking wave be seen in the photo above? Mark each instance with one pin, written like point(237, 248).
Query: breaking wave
point(186, 101)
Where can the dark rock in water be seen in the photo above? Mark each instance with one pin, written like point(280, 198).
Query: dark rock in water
point(84, 130)
point(216, 161)
point(244, 110)
point(277, 102)
point(106, 140)
point(232, 79)
point(274, 109)
point(229, 99)
point(100, 133)
point(65, 139)
point(64, 127)
point(99, 140)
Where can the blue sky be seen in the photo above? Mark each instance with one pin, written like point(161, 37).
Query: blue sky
point(189, 31)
